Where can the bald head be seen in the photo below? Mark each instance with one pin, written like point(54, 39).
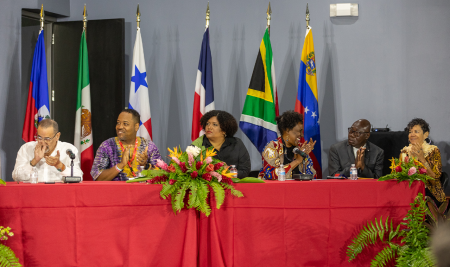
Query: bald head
point(47, 123)
point(359, 133)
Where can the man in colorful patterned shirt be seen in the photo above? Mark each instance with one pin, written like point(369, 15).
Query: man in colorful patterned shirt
point(122, 157)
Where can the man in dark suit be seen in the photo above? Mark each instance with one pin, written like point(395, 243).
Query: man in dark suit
point(367, 157)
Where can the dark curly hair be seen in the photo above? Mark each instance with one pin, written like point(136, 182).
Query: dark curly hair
point(227, 122)
point(288, 120)
point(417, 121)
point(136, 116)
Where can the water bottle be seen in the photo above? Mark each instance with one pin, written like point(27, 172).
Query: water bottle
point(353, 173)
point(281, 173)
point(34, 176)
point(233, 170)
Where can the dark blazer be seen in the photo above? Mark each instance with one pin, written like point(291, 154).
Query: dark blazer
point(341, 158)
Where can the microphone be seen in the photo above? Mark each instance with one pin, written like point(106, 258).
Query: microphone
point(299, 152)
point(70, 153)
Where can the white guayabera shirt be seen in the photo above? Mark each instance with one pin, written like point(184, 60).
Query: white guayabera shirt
point(46, 173)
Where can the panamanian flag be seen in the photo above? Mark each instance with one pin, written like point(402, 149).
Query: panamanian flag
point(139, 100)
point(204, 90)
point(307, 102)
point(38, 105)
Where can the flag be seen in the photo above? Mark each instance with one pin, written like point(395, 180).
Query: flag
point(204, 90)
point(139, 100)
point(83, 118)
point(38, 106)
point(261, 104)
point(307, 102)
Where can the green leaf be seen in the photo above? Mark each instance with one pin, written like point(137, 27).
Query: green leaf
point(247, 180)
point(219, 193)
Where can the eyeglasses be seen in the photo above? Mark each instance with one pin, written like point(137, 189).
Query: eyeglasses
point(46, 139)
point(355, 133)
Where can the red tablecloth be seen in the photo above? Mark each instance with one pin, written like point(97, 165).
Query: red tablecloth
point(299, 223)
point(118, 224)
point(96, 224)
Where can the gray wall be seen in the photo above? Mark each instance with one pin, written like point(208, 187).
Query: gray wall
point(388, 65)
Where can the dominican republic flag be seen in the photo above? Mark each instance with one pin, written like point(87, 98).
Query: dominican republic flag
point(261, 104)
point(139, 100)
point(38, 106)
point(83, 118)
point(204, 90)
point(307, 102)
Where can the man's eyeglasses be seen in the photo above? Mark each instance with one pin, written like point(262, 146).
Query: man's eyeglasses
point(355, 133)
point(46, 139)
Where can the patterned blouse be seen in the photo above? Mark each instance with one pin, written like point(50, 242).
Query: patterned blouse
point(109, 153)
point(273, 157)
point(433, 158)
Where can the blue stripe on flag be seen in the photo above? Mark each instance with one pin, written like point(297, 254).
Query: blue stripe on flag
point(309, 102)
point(259, 135)
point(39, 76)
point(205, 67)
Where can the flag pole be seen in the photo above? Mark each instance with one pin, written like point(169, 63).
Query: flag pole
point(42, 17)
point(84, 18)
point(207, 15)
point(138, 18)
point(307, 16)
point(269, 13)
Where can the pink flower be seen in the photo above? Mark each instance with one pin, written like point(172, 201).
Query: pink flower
point(198, 165)
point(422, 170)
point(218, 176)
point(171, 168)
point(208, 160)
point(218, 166)
point(161, 164)
point(190, 158)
point(398, 169)
point(210, 168)
point(207, 176)
point(176, 160)
point(412, 171)
point(194, 174)
point(172, 181)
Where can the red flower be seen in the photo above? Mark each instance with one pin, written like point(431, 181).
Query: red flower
point(194, 174)
point(209, 168)
point(171, 168)
point(422, 170)
point(406, 159)
point(157, 179)
point(226, 180)
point(207, 176)
point(198, 165)
point(183, 166)
point(172, 181)
point(218, 166)
point(398, 169)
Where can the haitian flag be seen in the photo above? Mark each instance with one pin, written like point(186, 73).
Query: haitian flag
point(307, 102)
point(139, 100)
point(261, 104)
point(204, 89)
point(38, 106)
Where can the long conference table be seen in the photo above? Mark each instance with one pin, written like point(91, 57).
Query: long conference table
point(287, 223)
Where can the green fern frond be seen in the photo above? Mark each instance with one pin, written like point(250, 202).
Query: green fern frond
point(7, 257)
point(178, 197)
point(219, 193)
point(384, 256)
point(203, 192)
point(167, 190)
point(233, 190)
point(194, 200)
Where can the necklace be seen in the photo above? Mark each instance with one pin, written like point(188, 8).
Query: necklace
point(134, 155)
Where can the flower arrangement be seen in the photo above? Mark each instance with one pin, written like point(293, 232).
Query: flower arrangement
point(7, 256)
point(193, 173)
point(409, 169)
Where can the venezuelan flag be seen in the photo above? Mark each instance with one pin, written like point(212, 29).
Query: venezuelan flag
point(261, 103)
point(307, 102)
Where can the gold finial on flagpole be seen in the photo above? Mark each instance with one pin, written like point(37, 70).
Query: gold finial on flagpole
point(138, 18)
point(269, 13)
point(42, 17)
point(307, 16)
point(84, 18)
point(207, 15)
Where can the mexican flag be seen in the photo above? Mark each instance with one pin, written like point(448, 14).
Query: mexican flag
point(83, 120)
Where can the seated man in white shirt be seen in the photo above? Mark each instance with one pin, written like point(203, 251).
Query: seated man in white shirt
point(47, 154)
